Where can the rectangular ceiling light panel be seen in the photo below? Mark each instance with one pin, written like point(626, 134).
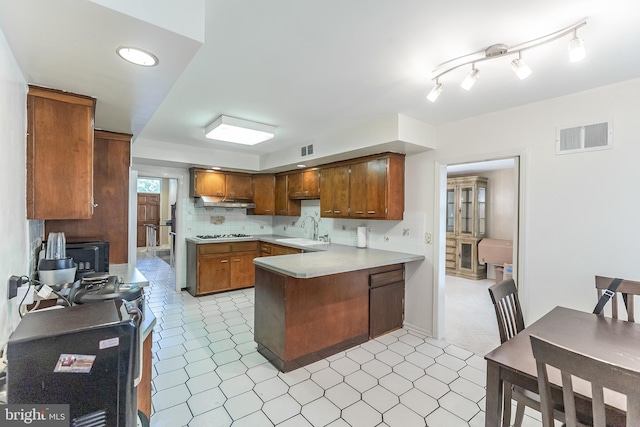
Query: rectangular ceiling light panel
point(231, 129)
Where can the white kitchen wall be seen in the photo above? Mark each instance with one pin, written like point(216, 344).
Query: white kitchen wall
point(579, 210)
point(16, 255)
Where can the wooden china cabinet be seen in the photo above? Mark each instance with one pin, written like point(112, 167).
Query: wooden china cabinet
point(466, 225)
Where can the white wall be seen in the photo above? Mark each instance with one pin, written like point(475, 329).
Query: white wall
point(579, 210)
point(15, 253)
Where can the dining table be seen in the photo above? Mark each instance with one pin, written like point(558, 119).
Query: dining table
point(611, 340)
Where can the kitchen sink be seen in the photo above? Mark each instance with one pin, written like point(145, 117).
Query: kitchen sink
point(301, 241)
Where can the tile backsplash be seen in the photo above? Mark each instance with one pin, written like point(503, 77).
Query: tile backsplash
point(407, 235)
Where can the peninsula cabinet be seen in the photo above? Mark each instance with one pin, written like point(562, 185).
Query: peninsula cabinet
point(59, 154)
point(264, 194)
point(376, 188)
point(304, 185)
point(284, 205)
point(217, 267)
point(465, 225)
point(334, 192)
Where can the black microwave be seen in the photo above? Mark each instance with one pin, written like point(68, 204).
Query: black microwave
point(89, 257)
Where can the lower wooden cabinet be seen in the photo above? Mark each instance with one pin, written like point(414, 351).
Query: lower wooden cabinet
point(144, 388)
point(271, 249)
point(217, 267)
point(386, 299)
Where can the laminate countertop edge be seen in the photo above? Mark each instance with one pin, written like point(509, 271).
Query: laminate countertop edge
point(335, 259)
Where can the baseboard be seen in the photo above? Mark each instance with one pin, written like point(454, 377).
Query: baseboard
point(418, 329)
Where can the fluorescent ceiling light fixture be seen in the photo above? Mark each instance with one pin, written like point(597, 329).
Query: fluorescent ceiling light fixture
point(239, 131)
point(137, 56)
point(471, 78)
point(301, 166)
point(520, 67)
point(435, 92)
point(522, 70)
point(576, 48)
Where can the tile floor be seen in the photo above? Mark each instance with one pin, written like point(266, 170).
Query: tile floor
point(207, 372)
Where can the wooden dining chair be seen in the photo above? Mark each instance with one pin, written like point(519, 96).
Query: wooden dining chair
point(504, 296)
point(627, 289)
point(600, 374)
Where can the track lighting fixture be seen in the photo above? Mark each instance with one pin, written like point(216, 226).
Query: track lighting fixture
point(519, 67)
point(471, 78)
point(576, 48)
point(435, 92)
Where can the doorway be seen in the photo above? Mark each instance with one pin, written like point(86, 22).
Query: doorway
point(468, 316)
point(148, 215)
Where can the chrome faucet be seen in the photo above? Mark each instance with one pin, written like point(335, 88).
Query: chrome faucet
point(315, 226)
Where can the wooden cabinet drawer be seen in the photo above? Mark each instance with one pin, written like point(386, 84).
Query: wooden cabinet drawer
point(451, 264)
point(215, 248)
point(265, 249)
point(244, 246)
point(386, 278)
point(451, 256)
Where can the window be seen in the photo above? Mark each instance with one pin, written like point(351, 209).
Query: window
point(149, 185)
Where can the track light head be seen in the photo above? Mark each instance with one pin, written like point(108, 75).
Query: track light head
point(471, 78)
point(435, 92)
point(576, 48)
point(520, 67)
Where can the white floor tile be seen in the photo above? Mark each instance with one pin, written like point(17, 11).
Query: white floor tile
point(206, 401)
point(207, 372)
point(320, 412)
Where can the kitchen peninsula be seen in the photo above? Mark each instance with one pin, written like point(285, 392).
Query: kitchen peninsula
point(311, 305)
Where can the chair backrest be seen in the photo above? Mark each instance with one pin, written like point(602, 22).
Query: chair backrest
point(504, 296)
point(628, 287)
point(599, 373)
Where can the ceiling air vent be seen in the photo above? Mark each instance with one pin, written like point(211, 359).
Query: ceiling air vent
point(596, 136)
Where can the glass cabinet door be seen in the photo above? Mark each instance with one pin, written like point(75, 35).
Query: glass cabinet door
point(451, 210)
point(482, 214)
point(466, 255)
point(466, 210)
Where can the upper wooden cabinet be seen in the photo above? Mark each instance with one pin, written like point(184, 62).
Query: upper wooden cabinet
point(284, 205)
point(59, 154)
point(110, 220)
point(334, 192)
point(239, 187)
point(264, 194)
point(206, 183)
point(233, 186)
point(304, 185)
point(371, 188)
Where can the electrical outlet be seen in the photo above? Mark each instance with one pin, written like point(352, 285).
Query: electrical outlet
point(14, 283)
point(428, 238)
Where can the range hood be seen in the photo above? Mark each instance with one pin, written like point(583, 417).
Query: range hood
point(222, 202)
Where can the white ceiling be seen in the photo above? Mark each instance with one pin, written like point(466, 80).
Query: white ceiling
point(311, 68)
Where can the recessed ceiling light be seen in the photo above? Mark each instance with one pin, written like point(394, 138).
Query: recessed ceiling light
point(301, 166)
point(137, 56)
point(231, 129)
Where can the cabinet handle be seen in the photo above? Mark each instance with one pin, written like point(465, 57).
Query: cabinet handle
point(236, 260)
point(267, 210)
point(336, 212)
point(224, 260)
point(371, 212)
point(327, 211)
point(358, 212)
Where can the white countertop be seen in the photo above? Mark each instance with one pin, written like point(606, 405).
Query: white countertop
point(129, 274)
point(330, 258)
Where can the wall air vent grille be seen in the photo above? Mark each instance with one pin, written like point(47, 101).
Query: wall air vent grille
point(596, 136)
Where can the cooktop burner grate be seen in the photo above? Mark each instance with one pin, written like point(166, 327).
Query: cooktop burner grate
point(221, 236)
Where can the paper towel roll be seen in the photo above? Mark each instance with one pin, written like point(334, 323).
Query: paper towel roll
point(362, 237)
